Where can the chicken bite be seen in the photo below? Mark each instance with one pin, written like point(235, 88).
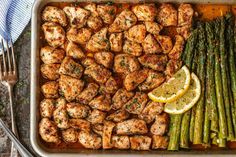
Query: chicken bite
point(160, 126)
point(107, 12)
point(140, 142)
point(184, 31)
point(131, 127)
point(133, 48)
point(145, 12)
point(80, 124)
point(69, 135)
point(176, 51)
point(96, 117)
point(94, 22)
point(167, 15)
point(153, 27)
point(118, 116)
point(79, 35)
point(90, 140)
point(172, 67)
point(92, 8)
point(98, 129)
point(121, 142)
point(50, 55)
point(150, 45)
point(136, 33)
point(47, 107)
point(101, 102)
point(159, 142)
point(116, 41)
point(76, 110)
point(165, 42)
point(60, 117)
point(88, 93)
point(185, 14)
point(120, 98)
point(50, 89)
point(110, 87)
point(50, 71)
point(74, 51)
point(155, 62)
point(107, 134)
point(104, 58)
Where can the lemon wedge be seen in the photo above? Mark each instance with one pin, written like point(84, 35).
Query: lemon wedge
point(174, 88)
point(188, 100)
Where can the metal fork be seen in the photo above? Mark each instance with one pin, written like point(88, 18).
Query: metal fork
point(8, 77)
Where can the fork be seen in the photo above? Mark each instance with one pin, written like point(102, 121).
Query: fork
point(8, 77)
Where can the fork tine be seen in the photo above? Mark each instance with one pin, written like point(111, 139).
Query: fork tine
point(3, 58)
point(8, 58)
point(13, 57)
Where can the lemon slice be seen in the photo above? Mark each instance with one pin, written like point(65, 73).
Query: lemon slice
point(188, 100)
point(174, 88)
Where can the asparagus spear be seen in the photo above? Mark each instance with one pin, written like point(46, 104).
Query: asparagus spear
point(174, 132)
point(184, 135)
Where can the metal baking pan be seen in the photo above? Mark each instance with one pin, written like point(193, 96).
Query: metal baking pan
point(35, 94)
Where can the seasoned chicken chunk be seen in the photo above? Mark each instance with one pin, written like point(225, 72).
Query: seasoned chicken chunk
point(120, 98)
point(110, 87)
point(116, 41)
point(155, 62)
point(132, 48)
point(153, 80)
point(50, 55)
point(71, 68)
point(104, 58)
point(165, 42)
point(131, 127)
point(145, 12)
point(133, 79)
point(79, 35)
point(140, 142)
point(50, 71)
point(160, 126)
point(94, 22)
point(70, 87)
point(150, 111)
point(47, 107)
point(50, 89)
point(60, 102)
point(107, 12)
point(123, 21)
point(118, 116)
point(150, 45)
point(185, 14)
point(98, 129)
point(88, 93)
point(77, 16)
point(137, 103)
point(60, 117)
point(172, 67)
point(159, 142)
point(48, 131)
point(92, 8)
point(54, 34)
point(99, 41)
point(54, 14)
point(101, 102)
point(69, 135)
point(176, 51)
point(88, 62)
point(153, 27)
point(76, 110)
point(90, 140)
point(80, 124)
point(96, 117)
point(121, 142)
point(107, 134)
point(136, 33)
point(125, 63)
point(167, 15)
point(74, 51)
point(184, 31)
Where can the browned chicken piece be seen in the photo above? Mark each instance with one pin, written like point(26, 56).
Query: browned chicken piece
point(50, 55)
point(79, 35)
point(98, 129)
point(77, 16)
point(104, 58)
point(88, 62)
point(60, 102)
point(140, 142)
point(88, 93)
point(61, 117)
point(185, 14)
point(175, 53)
point(125, 63)
point(159, 142)
point(150, 111)
point(54, 34)
point(145, 12)
point(50, 89)
point(153, 61)
point(94, 22)
point(50, 71)
point(160, 126)
point(80, 124)
point(116, 41)
point(107, 12)
point(54, 14)
point(172, 67)
point(48, 131)
point(76, 110)
point(136, 33)
point(121, 142)
point(153, 80)
point(165, 42)
point(90, 140)
point(46, 108)
point(107, 134)
point(133, 48)
point(69, 135)
point(137, 103)
point(120, 98)
point(92, 8)
point(118, 116)
point(71, 68)
point(123, 21)
point(150, 45)
point(101, 102)
point(110, 87)
point(153, 27)
point(74, 51)
point(133, 79)
point(167, 15)
point(131, 127)
point(70, 87)
point(99, 41)
point(184, 31)
point(96, 117)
